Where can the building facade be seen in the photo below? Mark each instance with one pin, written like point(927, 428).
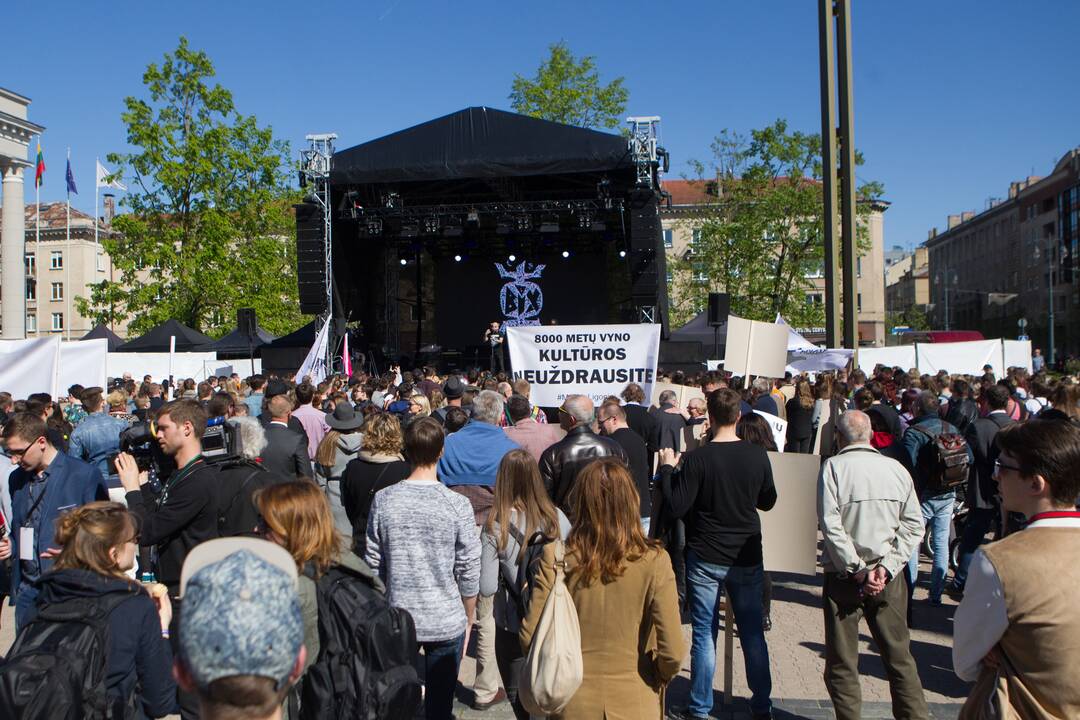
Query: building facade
point(1015, 261)
point(680, 233)
point(907, 283)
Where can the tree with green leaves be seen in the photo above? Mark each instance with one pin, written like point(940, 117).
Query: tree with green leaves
point(208, 226)
point(759, 236)
point(568, 90)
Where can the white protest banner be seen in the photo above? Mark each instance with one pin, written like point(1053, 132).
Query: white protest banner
point(315, 362)
point(83, 362)
point(158, 365)
point(29, 366)
point(789, 532)
point(818, 359)
point(901, 356)
point(755, 348)
point(778, 425)
point(592, 360)
point(1017, 353)
point(967, 358)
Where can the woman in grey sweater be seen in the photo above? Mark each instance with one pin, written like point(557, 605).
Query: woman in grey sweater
point(520, 509)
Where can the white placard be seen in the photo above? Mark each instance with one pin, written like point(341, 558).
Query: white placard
point(789, 530)
point(755, 348)
point(779, 428)
point(901, 356)
point(815, 359)
point(1017, 354)
point(83, 362)
point(592, 360)
point(30, 366)
point(965, 358)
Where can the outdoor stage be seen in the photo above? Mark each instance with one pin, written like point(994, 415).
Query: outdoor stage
point(484, 215)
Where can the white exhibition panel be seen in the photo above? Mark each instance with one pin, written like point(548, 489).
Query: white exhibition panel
point(1017, 353)
point(156, 364)
point(29, 366)
point(83, 362)
point(965, 358)
point(901, 356)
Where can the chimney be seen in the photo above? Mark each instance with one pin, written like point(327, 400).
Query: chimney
point(110, 208)
point(967, 215)
point(954, 220)
point(1014, 189)
point(931, 234)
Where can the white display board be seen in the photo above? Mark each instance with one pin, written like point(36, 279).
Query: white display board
point(30, 366)
point(83, 362)
point(755, 348)
point(901, 356)
point(184, 365)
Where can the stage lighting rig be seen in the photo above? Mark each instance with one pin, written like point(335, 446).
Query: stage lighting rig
point(523, 223)
point(374, 226)
point(431, 224)
point(473, 217)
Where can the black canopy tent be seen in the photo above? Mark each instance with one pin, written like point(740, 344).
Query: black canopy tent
point(102, 332)
point(485, 184)
point(237, 344)
point(157, 339)
point(286, 353)
point(699, 330)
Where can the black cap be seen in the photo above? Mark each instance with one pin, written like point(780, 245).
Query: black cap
point(453, 387)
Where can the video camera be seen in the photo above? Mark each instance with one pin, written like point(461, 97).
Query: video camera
point(140, 441)
point(221, 441)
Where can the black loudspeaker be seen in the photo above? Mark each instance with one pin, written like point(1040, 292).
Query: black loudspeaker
point(310, 258)
point(719, 307)
point(246, 321)
point(647, 262)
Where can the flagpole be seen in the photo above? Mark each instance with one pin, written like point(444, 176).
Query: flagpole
point(37, 239)
point(96, 163)
point(67, 257)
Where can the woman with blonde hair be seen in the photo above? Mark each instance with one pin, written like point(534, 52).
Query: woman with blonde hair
point(99, 544)
point(378, 465)
point(624, 591)
point(296, 516)
point(419, 406)
point(520, 509)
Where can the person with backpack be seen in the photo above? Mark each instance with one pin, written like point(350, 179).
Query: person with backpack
point(623, 589)
point(296, 515)
point(522, 520)
point(98, 646)
point(239, 478)
point(337, 449)
point(423, 541)
point(941, 458)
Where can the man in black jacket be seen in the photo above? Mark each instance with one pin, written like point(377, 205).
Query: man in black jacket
point(982, 488)
point(184, 514)
point(612, 421)
point(638, 417)
point(560, 463)
point(286, 453)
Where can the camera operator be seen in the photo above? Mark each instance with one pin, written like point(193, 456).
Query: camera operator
point(184, 514)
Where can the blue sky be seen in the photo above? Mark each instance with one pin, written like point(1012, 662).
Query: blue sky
point(953, 99)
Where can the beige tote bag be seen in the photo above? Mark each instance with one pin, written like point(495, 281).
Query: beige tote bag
point(552, 671)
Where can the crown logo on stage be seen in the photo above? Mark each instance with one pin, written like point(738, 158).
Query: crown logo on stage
point(521, 299)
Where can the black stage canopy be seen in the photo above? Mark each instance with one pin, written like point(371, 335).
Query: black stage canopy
point(102, 332)
point(480, 142)
point(157, 339)
point(237, 344)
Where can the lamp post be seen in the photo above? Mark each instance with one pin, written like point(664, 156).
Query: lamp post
point(938, 280)
point(1050, 286)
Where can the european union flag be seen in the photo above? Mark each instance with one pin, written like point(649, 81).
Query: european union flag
point(70, 179)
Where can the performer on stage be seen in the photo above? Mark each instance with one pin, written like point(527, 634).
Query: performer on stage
point(493, 338)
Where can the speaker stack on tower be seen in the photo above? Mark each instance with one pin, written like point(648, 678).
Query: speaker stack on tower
point(719, 308)
point(310, 258)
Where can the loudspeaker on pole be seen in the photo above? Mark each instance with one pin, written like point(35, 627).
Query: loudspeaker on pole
point(719, 308)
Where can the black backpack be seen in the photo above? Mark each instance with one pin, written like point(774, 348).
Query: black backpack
point(56, 668)
point(944, 461)
point(365, 669)
point(528, 566)
point(236, 513)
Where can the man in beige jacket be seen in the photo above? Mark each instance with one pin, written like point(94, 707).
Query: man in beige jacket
point(871, 523)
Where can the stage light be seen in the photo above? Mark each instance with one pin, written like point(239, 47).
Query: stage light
point(584, 220)
point(474, 216)
point(566, 253)
point(457, 258)
point(431, 224)
point(512, 258)
point(523, 223)
point(403, 261)
point(549, 223)
point(622, 253)
point(374, 226)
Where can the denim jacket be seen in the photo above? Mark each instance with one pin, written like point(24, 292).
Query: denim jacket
point(97, 437)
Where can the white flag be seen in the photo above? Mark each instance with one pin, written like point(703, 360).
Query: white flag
point(102, 173)
point(315, 362)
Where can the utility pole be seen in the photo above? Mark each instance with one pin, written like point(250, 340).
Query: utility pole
point(838, 165)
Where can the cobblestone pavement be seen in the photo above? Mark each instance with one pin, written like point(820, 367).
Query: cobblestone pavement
point(795, 654)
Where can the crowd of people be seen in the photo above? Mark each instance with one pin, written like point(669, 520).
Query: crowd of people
point(247, 532)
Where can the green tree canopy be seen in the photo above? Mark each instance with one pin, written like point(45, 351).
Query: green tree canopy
point(208, 226)
point(568, 90)
point(759, 237)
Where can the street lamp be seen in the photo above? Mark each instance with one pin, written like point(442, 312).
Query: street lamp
point(1050, 280)
point(944, 275)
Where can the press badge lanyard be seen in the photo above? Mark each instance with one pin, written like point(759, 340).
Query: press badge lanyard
point(26, 532)
point(175, 480)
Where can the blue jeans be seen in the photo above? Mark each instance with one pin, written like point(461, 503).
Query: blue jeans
point(937, 514)
point(439, 667)
point(743, 586)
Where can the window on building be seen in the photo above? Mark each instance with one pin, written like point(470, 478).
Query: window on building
point(58, 291)
point(31, 290)
point(858, 302)
point(814, 298)
point(858, 267)
point(56, 260)
point(695, 238)
point(31, 323)
point(699, 272)
point(57, 321)
point(669, 238)
point(100, 263)
point(668, 277)
point(31, 264)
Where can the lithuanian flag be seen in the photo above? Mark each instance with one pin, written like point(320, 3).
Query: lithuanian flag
point(39, 174)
